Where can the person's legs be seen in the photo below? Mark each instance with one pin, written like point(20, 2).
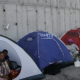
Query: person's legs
point(72, 54)
point(76, 54)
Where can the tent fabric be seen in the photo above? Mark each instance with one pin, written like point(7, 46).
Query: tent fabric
point(72, 34)
point(35, 77)
point(45, 48)
point(29, 68)
point(79, 32)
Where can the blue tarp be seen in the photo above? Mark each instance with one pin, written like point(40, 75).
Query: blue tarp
point(45, 48)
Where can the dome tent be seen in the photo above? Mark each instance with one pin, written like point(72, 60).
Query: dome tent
point(29, 69)
point(45, 48)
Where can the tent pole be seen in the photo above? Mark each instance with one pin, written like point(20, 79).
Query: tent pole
point(58, 46)
point(38, 43)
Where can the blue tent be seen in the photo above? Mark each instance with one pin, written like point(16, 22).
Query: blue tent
point(45, 48)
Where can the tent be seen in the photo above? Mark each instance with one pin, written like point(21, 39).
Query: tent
point(29, 69)
point(72, 34)
point(45, 48)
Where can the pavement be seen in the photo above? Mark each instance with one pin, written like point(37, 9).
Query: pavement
point(68, 73)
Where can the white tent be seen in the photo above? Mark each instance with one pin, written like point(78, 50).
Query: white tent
point(29, 69)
